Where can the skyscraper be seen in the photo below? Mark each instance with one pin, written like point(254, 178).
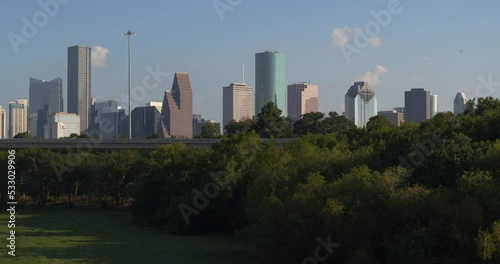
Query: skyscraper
point(270, 80)
point(360, 103)
point(177, 109)
point(460, 103)
point(417, 105)
point(145, 120)
point(237, 103)
point(18, 117)
point(3, 123)
point(302, 99)
point(108, 119)
point(44, 95)
point(79, 83)
point(434, 105)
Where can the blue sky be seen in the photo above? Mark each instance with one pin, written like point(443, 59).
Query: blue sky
point(419, 47)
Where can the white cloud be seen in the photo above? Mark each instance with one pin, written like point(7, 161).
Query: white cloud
point(373, 77)
point(340, 37)
point(375, 42)
point(99, 56)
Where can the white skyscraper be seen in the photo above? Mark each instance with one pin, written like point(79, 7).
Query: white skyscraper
point(360, 103)
point(460, 103)
point(18, 117)
point(434, 105)
point(237, 103)
point(3, 123)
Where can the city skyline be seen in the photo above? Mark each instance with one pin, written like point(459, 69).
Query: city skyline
point(409, 62)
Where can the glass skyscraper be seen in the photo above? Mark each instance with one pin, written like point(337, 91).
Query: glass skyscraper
point(45, 96)
point(270, 80)
point(360, 103)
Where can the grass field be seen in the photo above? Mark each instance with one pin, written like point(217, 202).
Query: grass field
point(107, 236)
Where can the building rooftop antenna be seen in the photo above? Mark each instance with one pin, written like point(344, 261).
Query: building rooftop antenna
point(243, 64)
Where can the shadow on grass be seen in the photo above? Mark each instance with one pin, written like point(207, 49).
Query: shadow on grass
point(107, 236)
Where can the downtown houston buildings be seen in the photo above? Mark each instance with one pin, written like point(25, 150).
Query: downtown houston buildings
point(417, 105)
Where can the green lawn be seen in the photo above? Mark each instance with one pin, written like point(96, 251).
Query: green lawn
point(107, 236)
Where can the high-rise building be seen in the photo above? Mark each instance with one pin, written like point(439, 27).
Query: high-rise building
point(302, 99)
point(417, 105)
point(270, 80)
point(145, 120)
point(360, 103)
point(177, 109)
point(62, 125)
point(393, 115)
point(434, 105)
point(44, 95)
point(18, 117)
point(108, 119)
point(460, 103)
point(3, 123)
point(237, 103)
point(79, 83)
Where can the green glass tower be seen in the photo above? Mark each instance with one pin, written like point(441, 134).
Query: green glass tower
point(270, 80)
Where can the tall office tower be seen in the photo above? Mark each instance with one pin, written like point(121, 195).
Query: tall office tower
point(18, 117)
point(62, 125)
point(44, 94)
point(108, 119)
point(417, 105)
point(302, 99)
point(460, 103)
point(3, 123)
point(177, 109)
point(434, 105)
point(394, 116)
point(158, 105)
point(237, 103)
point(79, 83)
point(360, 103)
point(145, 120)
point(270, 80)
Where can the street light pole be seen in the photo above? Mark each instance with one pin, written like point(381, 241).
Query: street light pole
point(129, 34)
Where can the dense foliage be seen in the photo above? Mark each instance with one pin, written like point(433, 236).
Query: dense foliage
point(418, 193)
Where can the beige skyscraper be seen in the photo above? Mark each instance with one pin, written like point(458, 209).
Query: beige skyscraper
point(3, 123)
point(302, 99)
point(18, 117)
point(237, 103)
